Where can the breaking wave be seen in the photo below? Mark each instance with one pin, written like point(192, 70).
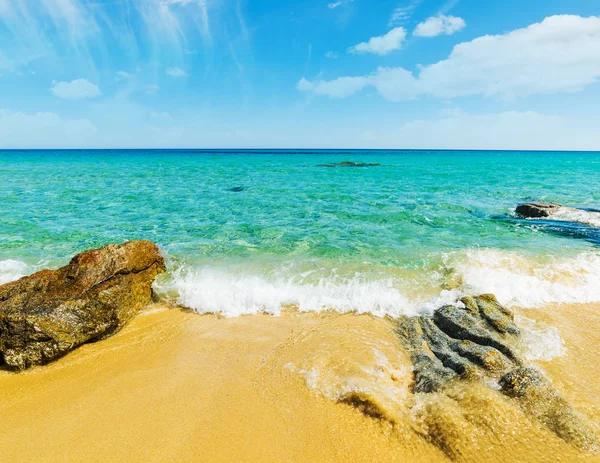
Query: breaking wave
point(517, 280)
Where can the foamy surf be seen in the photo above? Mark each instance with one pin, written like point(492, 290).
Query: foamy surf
point(517, 281)
point(569, 214)
point(230, 293)
point(522, 281)
point(11, 270)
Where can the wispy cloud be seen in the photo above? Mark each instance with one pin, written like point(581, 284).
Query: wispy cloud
point(338, 3)
point(402, 14)
point(82, 30)
point(77, 89)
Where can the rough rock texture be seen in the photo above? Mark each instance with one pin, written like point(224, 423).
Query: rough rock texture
point(475, 341)
point(537, 210)
point(50, 313)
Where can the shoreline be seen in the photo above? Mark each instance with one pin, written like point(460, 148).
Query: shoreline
point(181, 386)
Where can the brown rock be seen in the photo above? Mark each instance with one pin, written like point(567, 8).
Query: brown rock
point(50, 313)
point(537, 210)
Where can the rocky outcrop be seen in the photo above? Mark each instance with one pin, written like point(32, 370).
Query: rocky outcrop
point(475, 341)
point(50, 313)
point(349, 164)
point(537, 210)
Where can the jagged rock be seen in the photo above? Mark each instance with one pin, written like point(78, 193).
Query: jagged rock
point(51, 312)
point(537, 210)
point(430, 374)
point(460, 324)
point(475, 341)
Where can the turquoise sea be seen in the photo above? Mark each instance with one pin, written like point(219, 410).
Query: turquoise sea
point(248, 231)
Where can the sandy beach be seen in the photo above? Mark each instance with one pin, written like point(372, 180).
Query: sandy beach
point(178, 386)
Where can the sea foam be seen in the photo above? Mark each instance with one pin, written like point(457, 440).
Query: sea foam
point(232, 294)
point(517, 280)
point(521, 281)
point(568, 214)
point(11, 270)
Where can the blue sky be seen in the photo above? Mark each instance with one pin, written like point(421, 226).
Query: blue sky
point(309, 73)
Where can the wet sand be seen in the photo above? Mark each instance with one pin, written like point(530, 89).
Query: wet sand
point(177, 386)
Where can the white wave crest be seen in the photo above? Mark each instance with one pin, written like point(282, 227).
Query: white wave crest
point(569, 214)
point(522, 281)
point(232, 294)
point(516, 280)
point(11, 270)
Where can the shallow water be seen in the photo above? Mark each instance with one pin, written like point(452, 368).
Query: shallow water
point(254, 231)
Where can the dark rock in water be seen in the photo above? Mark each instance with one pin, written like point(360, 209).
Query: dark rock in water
point(349, 164)
point(537, 210)
point(476, 342)
point(430, 373)
point(50, 313)
point(472, 341)
point(537, 396)
point(237, 189)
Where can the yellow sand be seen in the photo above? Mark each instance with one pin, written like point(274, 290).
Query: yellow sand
point(177, 386)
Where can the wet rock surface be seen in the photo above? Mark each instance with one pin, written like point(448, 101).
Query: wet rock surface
point(537, 210)
point(51, 312)
point(475, 341)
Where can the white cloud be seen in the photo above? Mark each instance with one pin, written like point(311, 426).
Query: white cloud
point(560, 54)
point(124, 74)
point(176, 72)
point(331, 55)
point(382, 45)
point(78, 89)
point(438, 25)
point(152, 89)
point(50, 130)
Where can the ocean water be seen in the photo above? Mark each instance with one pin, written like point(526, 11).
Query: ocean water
point(255, 231)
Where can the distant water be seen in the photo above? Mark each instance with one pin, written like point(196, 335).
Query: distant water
point(249, 231)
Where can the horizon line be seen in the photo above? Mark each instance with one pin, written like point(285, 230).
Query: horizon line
point(313, 149)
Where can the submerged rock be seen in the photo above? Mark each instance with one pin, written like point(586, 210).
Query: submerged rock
point(349, 164)
point(237, 189)
point(51, 312)
point(537, 210)
point(476, 341)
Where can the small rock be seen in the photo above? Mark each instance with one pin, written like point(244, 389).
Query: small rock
point(537, 210)
point(349, 164)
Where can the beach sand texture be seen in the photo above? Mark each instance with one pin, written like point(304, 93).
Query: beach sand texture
point(178, 386)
